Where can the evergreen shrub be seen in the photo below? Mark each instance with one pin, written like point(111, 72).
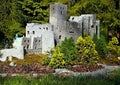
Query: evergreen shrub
point(86, 50)
point(100, 45)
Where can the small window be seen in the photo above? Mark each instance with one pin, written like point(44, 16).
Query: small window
point(61, 12)
point(35, 40)
point(92, 26)
point(28, 32)
point(27, 46)
point(33, 32)
point(73, 18)
point(46, 28)
point(96, 30)
point(43, 28)
point(24, 40)
point(28, 40)
point(59, 36)
point(39, 28)
point(39, 40)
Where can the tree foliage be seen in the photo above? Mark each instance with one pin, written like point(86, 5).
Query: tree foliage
point(14, 14)
point(57, 60)
point(100, 45)
point(68, 49)
point(113, 48)
point(86, 50)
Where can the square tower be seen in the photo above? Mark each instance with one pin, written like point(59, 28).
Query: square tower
point(58, 14)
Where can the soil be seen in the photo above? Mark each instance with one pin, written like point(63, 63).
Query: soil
point(85, 68)
point(41, 70)
point(25, 69)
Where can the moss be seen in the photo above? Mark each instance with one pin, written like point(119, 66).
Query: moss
point(30, 59)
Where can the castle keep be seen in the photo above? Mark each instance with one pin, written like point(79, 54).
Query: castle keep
point(42, 37)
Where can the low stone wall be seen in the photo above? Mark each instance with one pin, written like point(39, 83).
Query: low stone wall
point(13, 52)
point(32, 51)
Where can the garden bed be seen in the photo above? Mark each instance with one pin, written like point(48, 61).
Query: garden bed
point(85, 68)
point(26, 69)
point(38, 70)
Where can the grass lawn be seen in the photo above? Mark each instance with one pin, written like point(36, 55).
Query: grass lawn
point(55, 80)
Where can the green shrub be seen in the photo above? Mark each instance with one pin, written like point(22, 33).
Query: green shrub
point(86, 50)
point(100, 45)
point(112, 47)
point(46, 60)
point(57, 60)
point(68, 49)
point(118, 51)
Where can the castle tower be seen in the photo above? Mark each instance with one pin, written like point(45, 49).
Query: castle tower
point(58, 14)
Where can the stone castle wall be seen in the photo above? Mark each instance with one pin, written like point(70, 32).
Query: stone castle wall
point(14, 52)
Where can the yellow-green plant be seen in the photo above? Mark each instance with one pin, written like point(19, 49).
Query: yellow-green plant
point(57, 60)
point(113, 48)
point(86, 50)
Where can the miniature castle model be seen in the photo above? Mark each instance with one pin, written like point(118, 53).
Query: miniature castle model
point(42, 37)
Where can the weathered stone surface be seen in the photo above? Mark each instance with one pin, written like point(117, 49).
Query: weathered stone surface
point(63, 72)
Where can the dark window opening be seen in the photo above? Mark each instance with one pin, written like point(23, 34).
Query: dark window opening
point(82, 29)
point(55, 42)
point(27, 46)
point(59, 36)
point(35, 40)
point(28, 32)
point(46, 28)
point(92, 26)
point(61, 12)
point(43, 28)
point(28, 40)
point(33, 32)
point(73, 18)
point(39, 28)
point(24, 40)
point(96, 30)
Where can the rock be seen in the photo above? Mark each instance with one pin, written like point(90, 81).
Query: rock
point(118, 58)
point(63, 72)
point(12, 64)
